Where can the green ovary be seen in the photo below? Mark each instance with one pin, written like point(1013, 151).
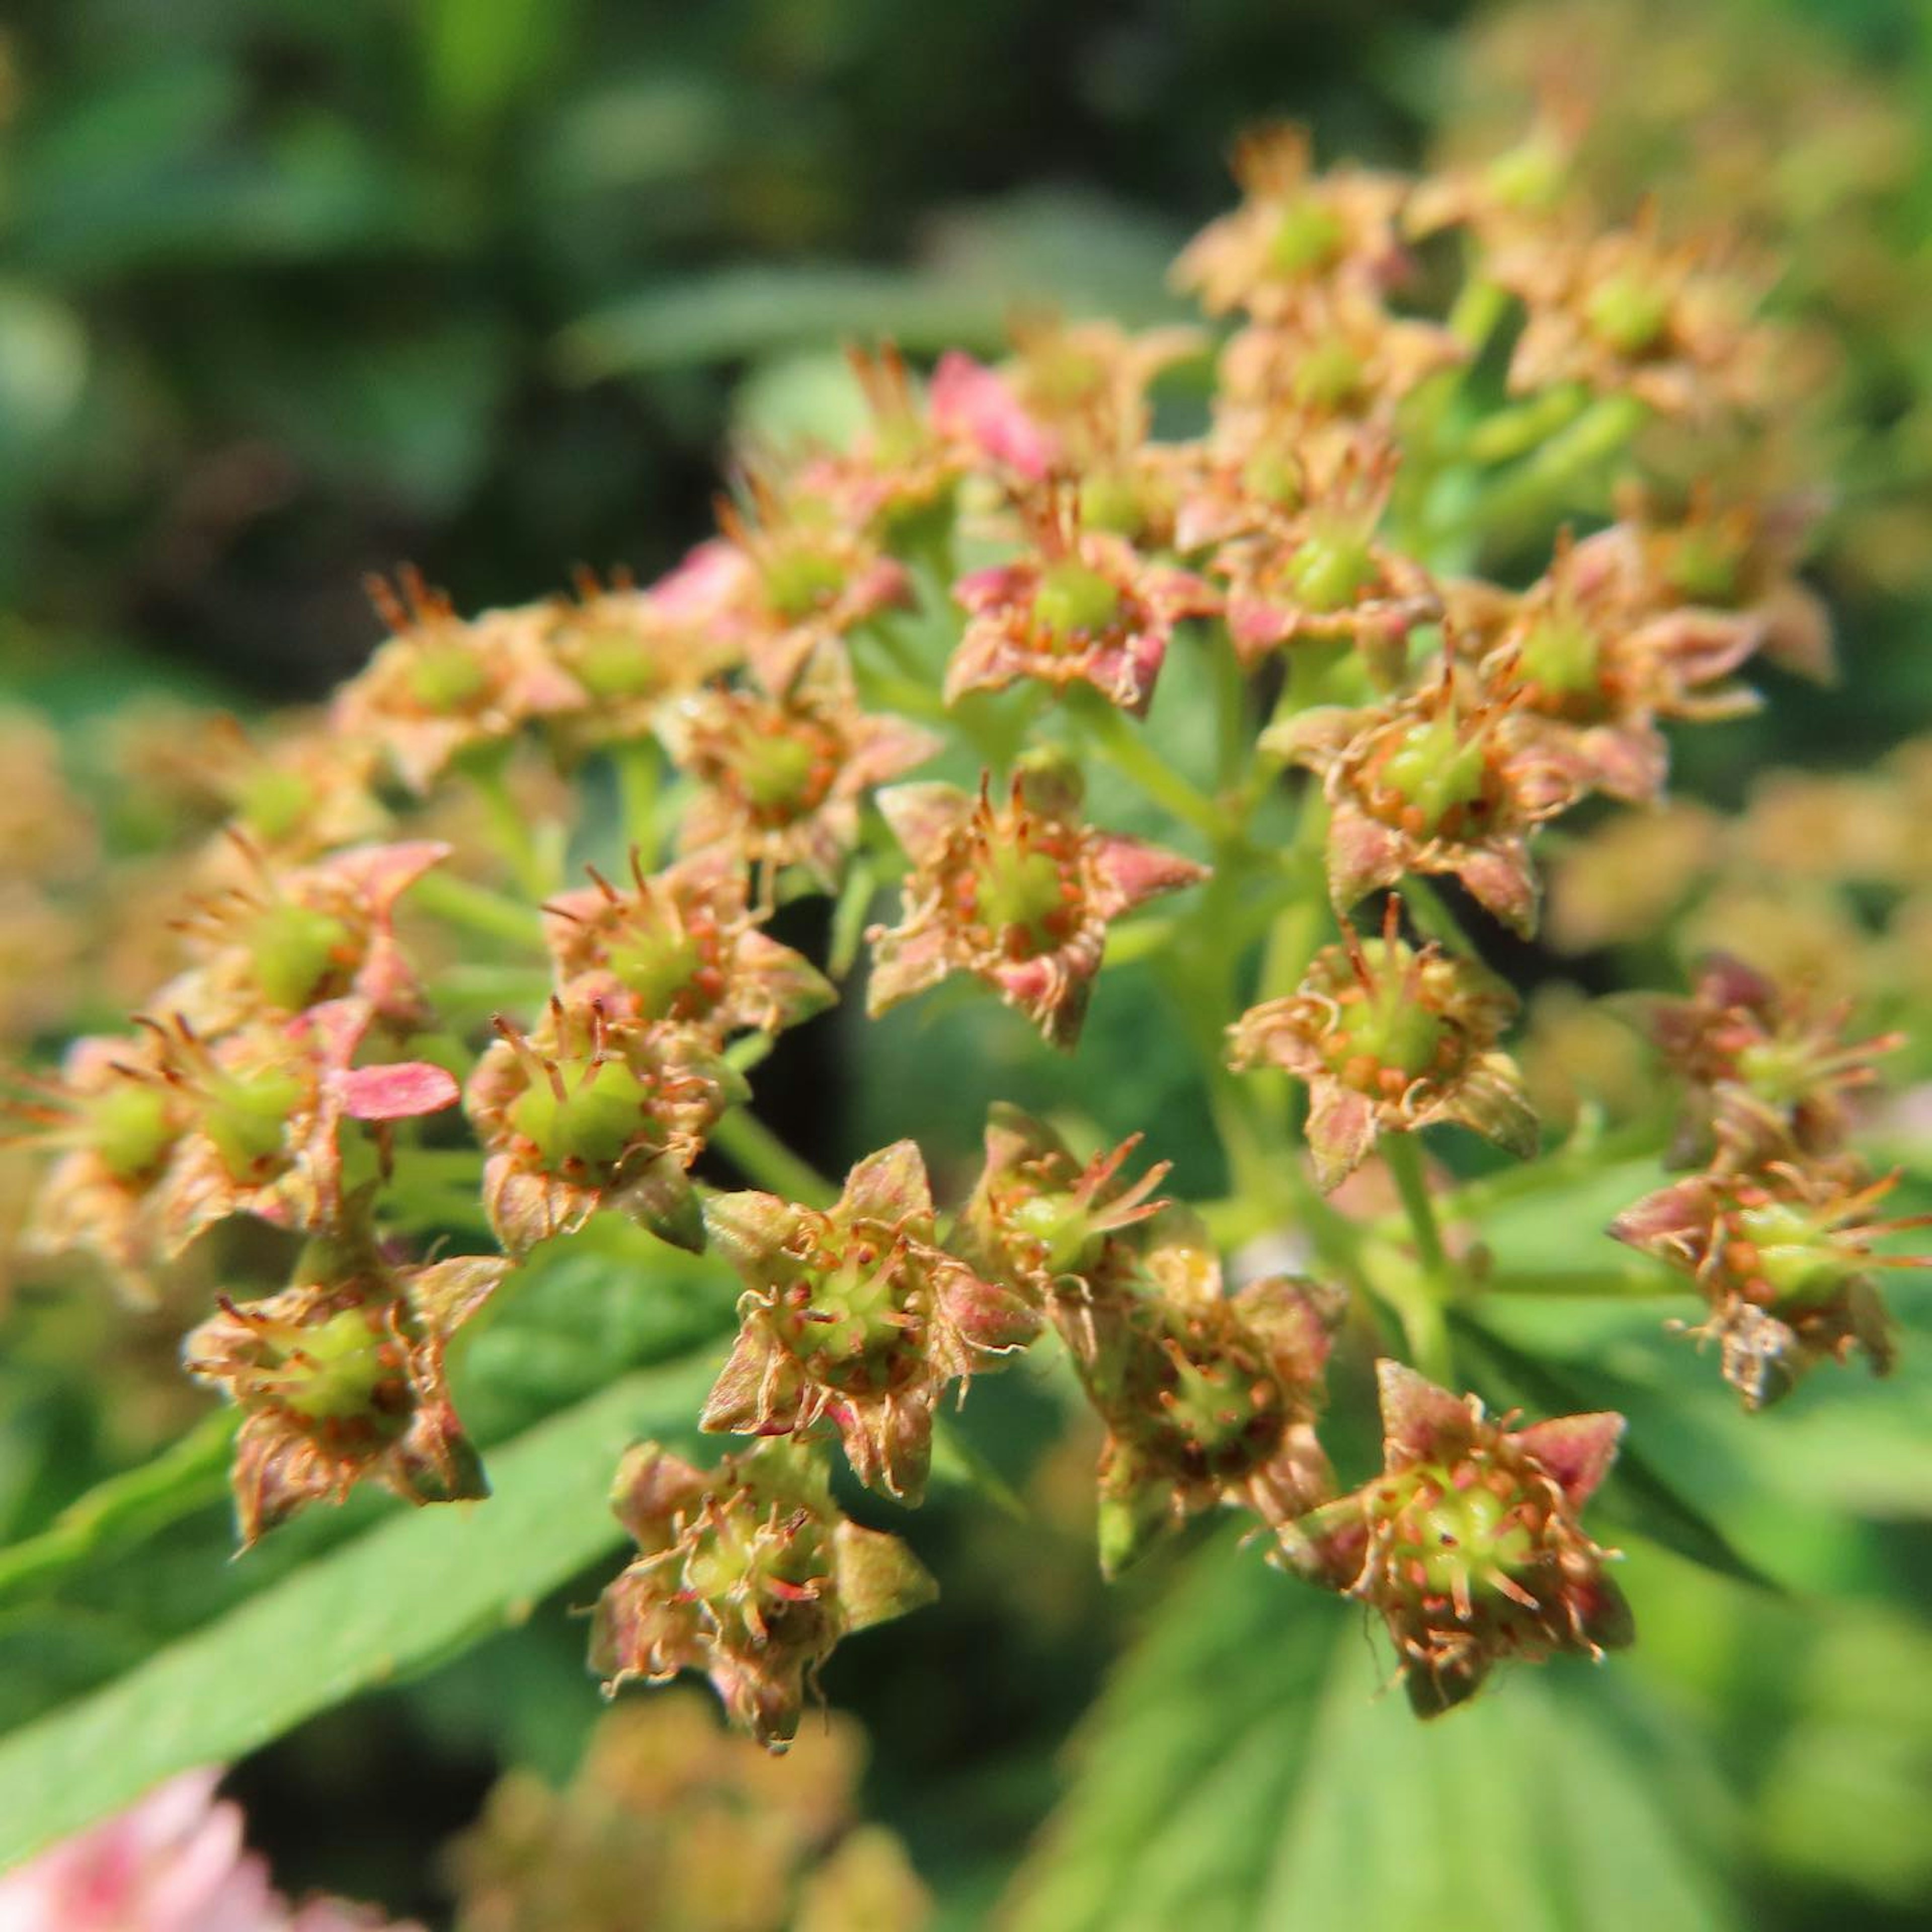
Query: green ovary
point(272, 804)
point(1704, 568)
point(776, 773)
point(295, 950)
point(1109, 501)
point(129, 1130)
point(1019, 892)
point(657, 968)
point(1072, 599)
point(1329, 375)
point(1058, 1222)
point(798, 582)
point(861, 1341)
point(333, 1371)
point(449, 677)
point(1435, 772)
point(1467, 1534)
point(1308, 237)
point(596, 1122)
point(1628, 314)
point(1329, 572)
point(608, 664)
point(1271, 475)
point(1798, 1258)
point(247, 1120)
point(1394, 1031)
point(1560, 655)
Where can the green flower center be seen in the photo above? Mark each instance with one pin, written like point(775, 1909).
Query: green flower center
point(447, 677)
point(297, 951)
point(1059, 1223)
point(1309, 236)
point(1560, 655)
point(333, 1372)
point(1394, 1030)
point(1019, 894)
point(272, 803)
point(1629, 313)
point(129, 1130)
point(247, 1120)
point(605, 1110)
point(657, 966)
point(1272, 476)
point(1704, 568)
point(1109, 500)
point(1455, 1535)
point(851, 1329)
point(1329, 375)
point(1796, 1257)
point(800, 580)
point(779, 774)
point(1435, 772)
point(1073, 602)
point(611, 663)
point(1330, 570)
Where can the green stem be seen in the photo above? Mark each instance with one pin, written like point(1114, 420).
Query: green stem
point(640, 769)
point(1116, 741)
point(533, 860)
point(1403, 1157)
point(127, 1509)
point(1434, 920)
point(478, 909)
point(765, 1161)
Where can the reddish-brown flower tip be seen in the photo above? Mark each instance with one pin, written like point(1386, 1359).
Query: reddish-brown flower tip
point(1020, 894)
point(749, 1573)
point(594, 1109)
point(1468, 1542)
point(1784, 1260)
point(854, 1316)
point(1209, 1399)
point(1389, 1039)
point(340, 1378)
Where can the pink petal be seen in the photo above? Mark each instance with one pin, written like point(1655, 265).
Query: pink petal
point(969, 401)
point(1576, 1450)
point(396, 1092)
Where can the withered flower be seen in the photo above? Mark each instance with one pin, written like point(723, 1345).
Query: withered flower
point(264, 1107)
point(1468, 1542)
point(340, 1377)
point(1081, 607)
point(1628, 314)
point(854, 1315)
point(280, 941)
point(682, 946)
point(1585, 667)
point(115, 1116)
point(748, 1572)
point(783, 777)
point(1020, 894)
point(1209, 1399)
point(594, 1109)
point(441, 686)
point(1784, 1258)
point(1037, 1214)
point(1323, 576)
point(1426, 783)
point(1769, 1073)
point(1391, 1039)
point(1295, 232)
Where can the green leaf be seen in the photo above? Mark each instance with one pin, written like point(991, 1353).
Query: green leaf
point(1243, 1772)
point(405, 1595)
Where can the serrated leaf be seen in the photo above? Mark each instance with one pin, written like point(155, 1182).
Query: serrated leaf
point(406, 1593)
point(1244, 1772)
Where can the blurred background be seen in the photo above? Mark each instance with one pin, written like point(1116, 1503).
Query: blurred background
point(291, 290)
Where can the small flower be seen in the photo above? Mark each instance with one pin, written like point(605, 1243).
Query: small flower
point(1338, 354)
point(1628, 315)
point(1209, 1399)
point(683, 947)
point(281, 941)
point(855, 1316)
point(1019, 895)
point(749, 1573)
point(1390, 1039)
point(441, 686)
point(1081, 607)
point(1468, 1542)
point(116, 1116)
point(594, 1109)
point(340, 1378)
point(1295, 233)
point(264, 1110)
point(783, 778)
point(1784, 1258)
point(1323, 576)
point(1768, 1075)
point(1037, 1214)
point(1425, 783)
